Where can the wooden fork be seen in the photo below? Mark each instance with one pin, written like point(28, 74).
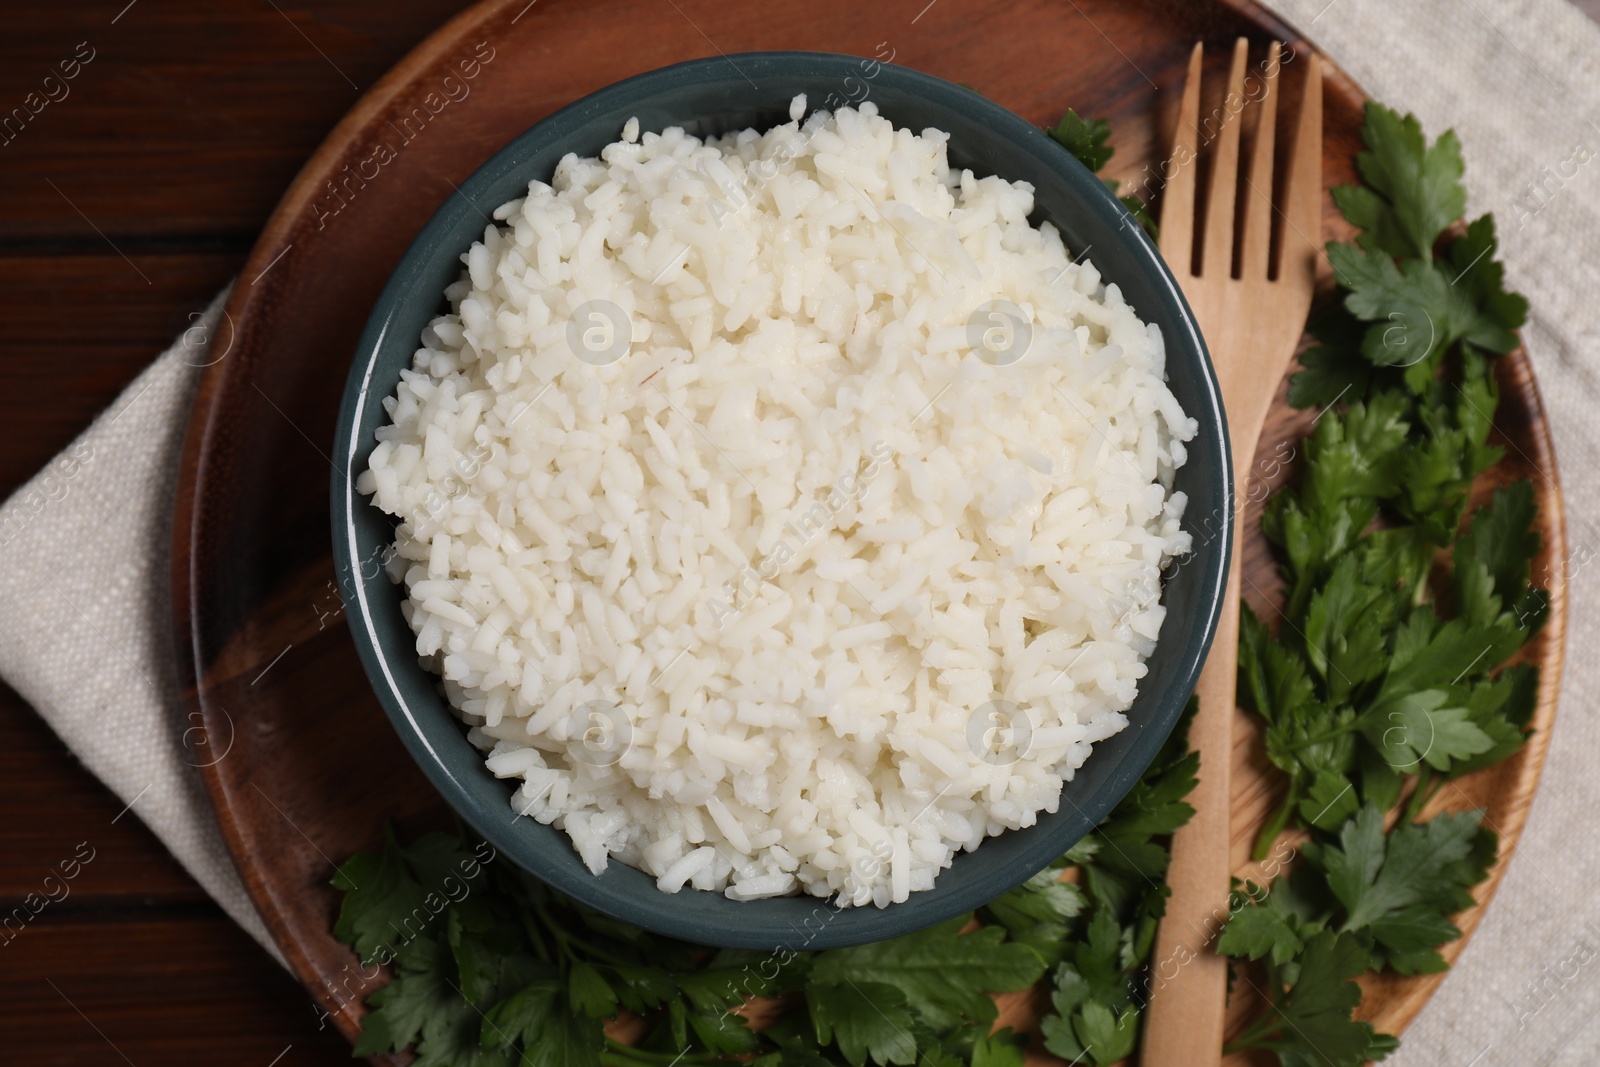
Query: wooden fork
point(1251, 325)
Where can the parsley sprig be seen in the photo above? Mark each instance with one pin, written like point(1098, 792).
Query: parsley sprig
point(1384, 676)
point(1102, 974)
point(490, 968)
point(1088, 140)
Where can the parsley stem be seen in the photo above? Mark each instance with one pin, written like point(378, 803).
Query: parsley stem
point(531, 929)
point(566, 941)
point(598, 953)
point(563, 940)
point(1280, 818)
point(1303, 588)
point(1255, 1034)
point(1428, 784)
point(1327, 735)
point(624, 1055)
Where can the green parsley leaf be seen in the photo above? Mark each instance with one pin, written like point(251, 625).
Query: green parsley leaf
point(1255, 932)
point(1501, 707)
point(1503, 539)
point(1276, 680)
point(589, 993)
point(1105, 1035)
point(1473, 268)
point(1086, 140)
point(1416, 727)
point(1346, 628)
point(1036, 913)
point(1415, 312)
point(1000, 1049)
point(383, 902)
point(455, 1044)
point(1412, 190)
point(1333, 369)
point(568, 1040)
point(1315, 1012)
point(869, 1021)
point(477, 964)
point(1084, 1025)
point(723, 1034)
point(523, 1015)
point(418, 1001)
point(1370, 685)
point(1374, 875)
point(1330, 799)
point(943, 974)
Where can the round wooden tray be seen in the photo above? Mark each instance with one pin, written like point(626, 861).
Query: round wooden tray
point(302, 766)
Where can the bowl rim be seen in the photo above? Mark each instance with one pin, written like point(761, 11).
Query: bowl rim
point(657, 913)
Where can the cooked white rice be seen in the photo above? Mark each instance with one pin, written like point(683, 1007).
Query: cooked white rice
point(801, 583)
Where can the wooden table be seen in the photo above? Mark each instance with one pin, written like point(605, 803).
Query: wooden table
point(125, 205)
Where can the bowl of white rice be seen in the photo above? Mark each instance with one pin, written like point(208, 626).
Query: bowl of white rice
point(785, 498)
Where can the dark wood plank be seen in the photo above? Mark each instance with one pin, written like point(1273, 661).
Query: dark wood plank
point(78, 328)
point(118, 859)
point(175, 990)
point(183, 121)
point(126, 203)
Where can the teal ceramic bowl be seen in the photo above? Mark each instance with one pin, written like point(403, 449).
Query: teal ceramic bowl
point(706, 97)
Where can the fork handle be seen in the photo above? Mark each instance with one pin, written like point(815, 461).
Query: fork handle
point(1188, 981)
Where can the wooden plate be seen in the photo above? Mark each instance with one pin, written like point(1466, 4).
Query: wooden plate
point(302, 766)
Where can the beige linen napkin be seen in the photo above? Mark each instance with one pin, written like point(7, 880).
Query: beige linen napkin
point(84, 568)
point(90, 629)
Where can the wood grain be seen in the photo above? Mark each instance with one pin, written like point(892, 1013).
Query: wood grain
point(88, 354)
point(255, 592)
point(127, 865)
point(177, 140)
point(197, 994)
point(1252, 325)
point(185, 126)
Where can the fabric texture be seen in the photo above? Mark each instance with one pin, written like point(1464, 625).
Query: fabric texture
point(85, 604)
point(84, 592)
point(1519, 80)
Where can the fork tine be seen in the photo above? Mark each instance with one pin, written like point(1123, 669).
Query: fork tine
point(1302, 191)
point(1256, 242)
point(1216, 257)
point(1177, 199)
